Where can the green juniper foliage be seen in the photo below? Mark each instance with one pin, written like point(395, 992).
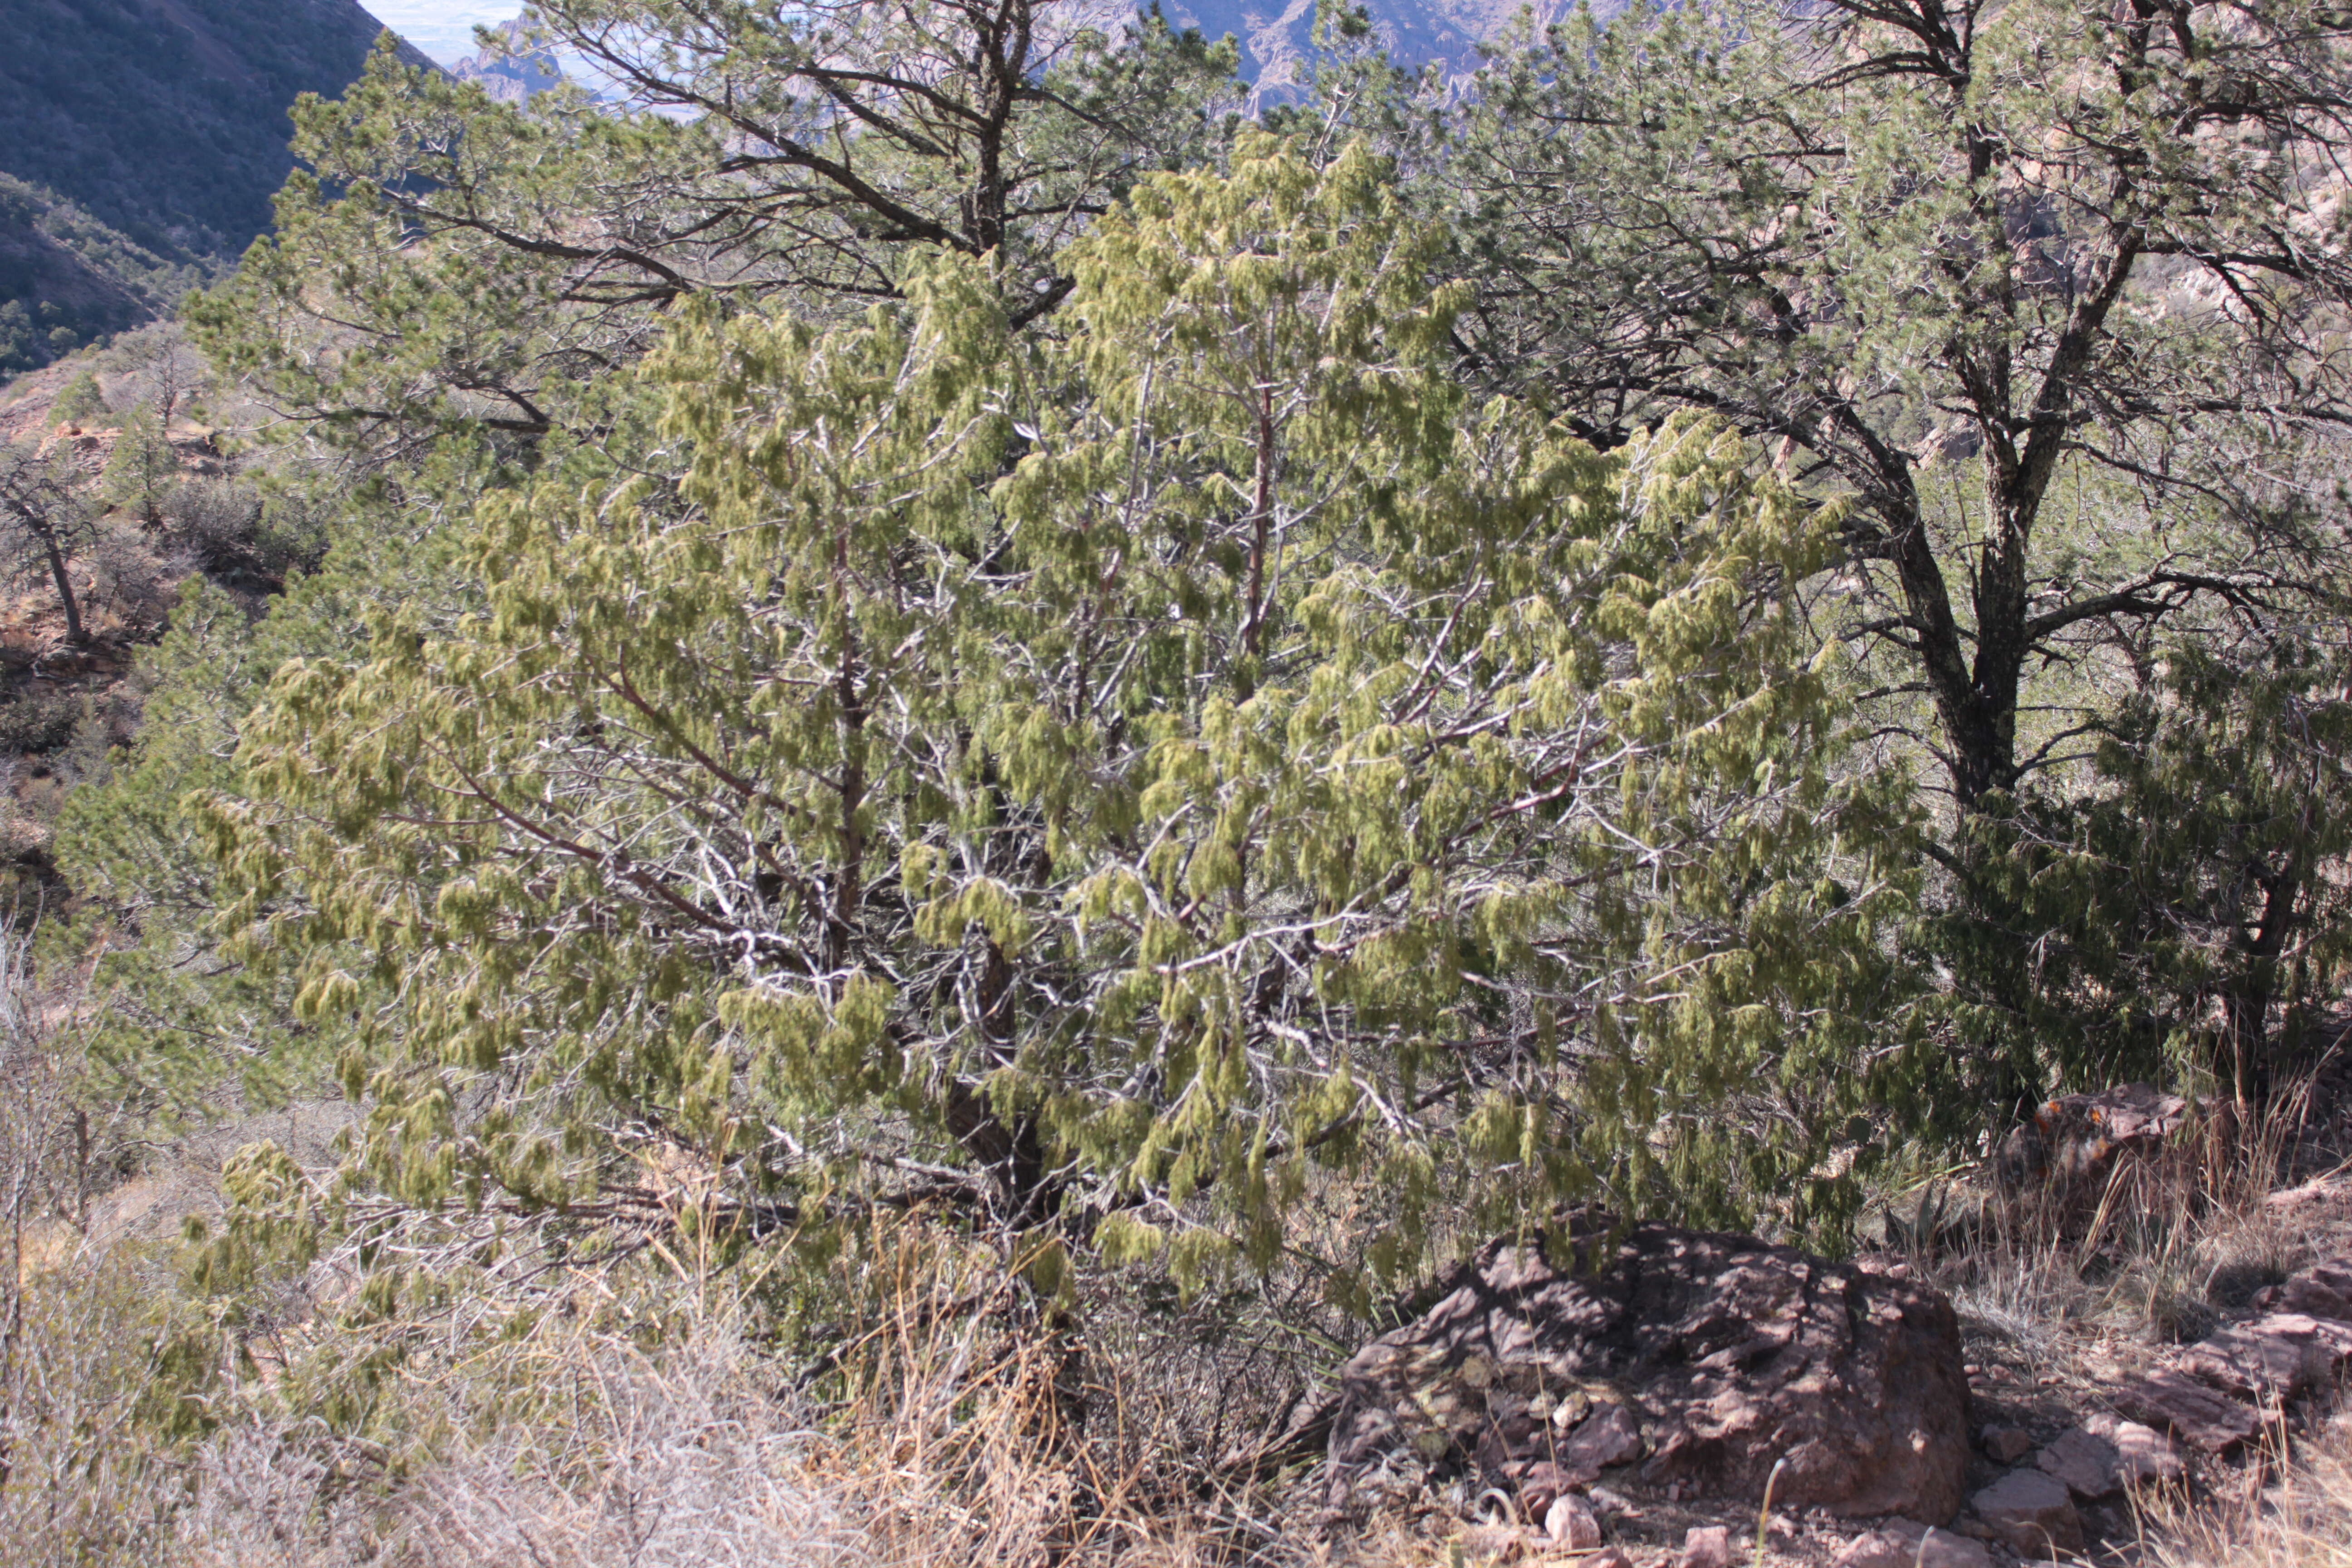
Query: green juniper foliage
point(2172, 917)
point(1117, 779)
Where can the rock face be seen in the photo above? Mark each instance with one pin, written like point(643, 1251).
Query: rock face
point(1697, 1360)
point(2216, 1394)
point(1277, 35)
point(2142, 1454)
point(2088, 1465)
point(512, 74)
point(2074, 1141)
point(2201, 1417)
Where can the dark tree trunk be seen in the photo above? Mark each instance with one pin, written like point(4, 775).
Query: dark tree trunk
point(58, 574)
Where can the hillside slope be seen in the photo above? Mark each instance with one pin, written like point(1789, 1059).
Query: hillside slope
point(155, 130)
point(66, 278)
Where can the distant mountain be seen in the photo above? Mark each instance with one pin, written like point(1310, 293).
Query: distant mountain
point(145, 138)
point(1277, 36)
point(513, 73)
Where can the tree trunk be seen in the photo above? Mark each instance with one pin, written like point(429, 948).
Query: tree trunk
point(2246, 1009)
point(65, 586)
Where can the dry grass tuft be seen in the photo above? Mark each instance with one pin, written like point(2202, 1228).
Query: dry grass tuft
point(953, 1443)
point(2304, 1522)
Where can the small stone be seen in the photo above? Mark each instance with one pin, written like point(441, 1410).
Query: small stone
point(2142, 1454)
point(1611, 1558)
point(1913, 1547)
point(2089, 1466)
point(2031, 1512)
point(1570, 1524)
point(2005, 1445)
point(1570, 1408)
point(1705, 1546)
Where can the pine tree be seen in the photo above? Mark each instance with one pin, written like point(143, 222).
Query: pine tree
point(2030, 282)
point(451, 268)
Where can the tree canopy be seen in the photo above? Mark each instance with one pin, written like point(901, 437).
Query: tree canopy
point(1101, 780)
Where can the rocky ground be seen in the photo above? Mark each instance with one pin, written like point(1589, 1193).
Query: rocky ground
point(2064, 1373)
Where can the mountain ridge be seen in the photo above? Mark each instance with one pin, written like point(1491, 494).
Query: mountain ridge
point(152, 133)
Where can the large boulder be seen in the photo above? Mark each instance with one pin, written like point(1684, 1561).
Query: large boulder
point(2071, 1144)
point(1674, 1360)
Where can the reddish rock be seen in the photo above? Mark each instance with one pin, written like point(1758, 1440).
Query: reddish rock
point(2031, 1512)
point(1570, 1523)
point(2089, 1466)
point(2279, 1356)
point(2322, 1290)
point(1733, 1353)
point(1905, 1544)
point(2142, 1454)
point(1606, 1437)
point(2005, 1445)
point(1705, 1546)
point(2201, 1415)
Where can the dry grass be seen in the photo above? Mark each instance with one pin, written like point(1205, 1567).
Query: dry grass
point(2304, 1522)
point(577, 1445)
point(640, 1417)
point(2168, 1249)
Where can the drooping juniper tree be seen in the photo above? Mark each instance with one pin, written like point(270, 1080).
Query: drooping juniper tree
point(1110, 782)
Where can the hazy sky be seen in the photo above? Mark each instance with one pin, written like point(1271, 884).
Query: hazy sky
point(442, 28)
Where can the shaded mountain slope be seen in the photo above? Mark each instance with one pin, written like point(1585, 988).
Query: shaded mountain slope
point(67, 279)
point(145, 138)
point(166, 118)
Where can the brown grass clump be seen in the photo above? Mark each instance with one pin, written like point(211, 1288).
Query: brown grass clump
point(2303, 1521)
point(577, 1445)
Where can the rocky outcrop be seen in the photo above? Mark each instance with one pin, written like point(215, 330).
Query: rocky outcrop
point(512, 73)
point(1679, 1360)
point(1277, 38)
point(2216, 1395)
point(2034, 1514)
point(2106, 1456)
